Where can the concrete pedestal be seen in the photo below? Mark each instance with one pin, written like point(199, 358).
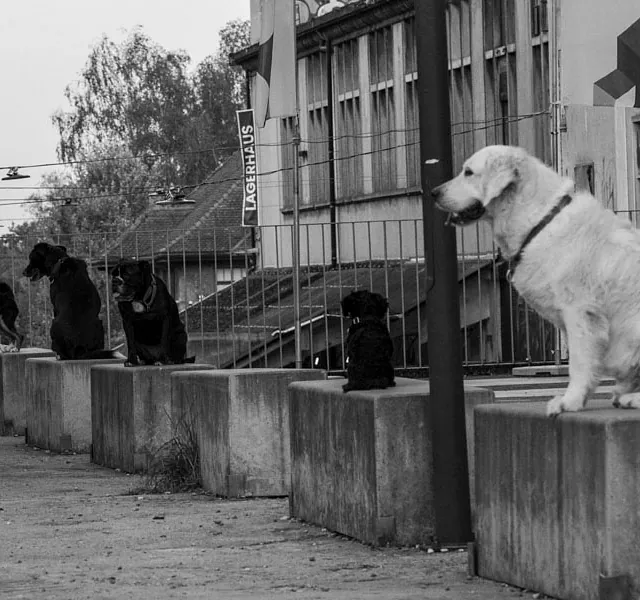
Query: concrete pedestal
point(13, 392)
point(361, 462)
point(58, 408)
point(243, 434)
point(557, 499)
point(131, 413)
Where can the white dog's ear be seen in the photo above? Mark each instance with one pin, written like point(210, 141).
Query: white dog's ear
point(499, 182)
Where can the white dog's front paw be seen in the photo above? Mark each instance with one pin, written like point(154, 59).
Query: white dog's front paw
point(561, 404)
point(627, 401)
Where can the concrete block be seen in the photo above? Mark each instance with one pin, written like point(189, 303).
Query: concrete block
point(557, 499)
point(361, 463)
point(58, 408)
point(243, 434)
point(541, 371)
point(131, 413)
point(13, 415)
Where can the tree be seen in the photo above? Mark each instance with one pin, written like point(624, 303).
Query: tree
point(137, 121)
point(140, 97)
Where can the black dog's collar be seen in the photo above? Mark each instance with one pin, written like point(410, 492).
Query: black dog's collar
point(56, 269)
point(149, 296)
point(516, 259)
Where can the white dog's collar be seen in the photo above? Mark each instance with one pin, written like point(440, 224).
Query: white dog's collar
point(515, 260)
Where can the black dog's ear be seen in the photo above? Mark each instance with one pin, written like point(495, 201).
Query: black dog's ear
point(145, 267)
point(61, 248)
point(347, 305)
point(380, 305)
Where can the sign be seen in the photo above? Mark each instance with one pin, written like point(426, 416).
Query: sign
point(247, 135)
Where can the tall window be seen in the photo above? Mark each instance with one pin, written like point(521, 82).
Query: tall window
point(383, 121)
point(318, 129)
point(499, 23)
point(412, 117)
point(348, 130)
point(286, 180)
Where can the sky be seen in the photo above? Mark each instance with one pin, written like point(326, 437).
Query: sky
point(44, 46)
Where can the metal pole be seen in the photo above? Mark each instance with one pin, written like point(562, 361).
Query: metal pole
point(556, 116)
point(445, 409)
point(296, 208)
point(296, 244)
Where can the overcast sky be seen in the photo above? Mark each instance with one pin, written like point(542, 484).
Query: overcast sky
point(44, 46)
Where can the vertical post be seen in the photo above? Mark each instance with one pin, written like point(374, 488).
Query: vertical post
point(296, 244)
point(556, 114)
point(296, 206)
point(446, 409)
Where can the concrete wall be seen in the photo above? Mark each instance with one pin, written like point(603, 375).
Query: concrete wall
point(557, 499)
point(13, 418)
point(242, 417)
point(131, 413)
point(58, 402)
point(362, 461)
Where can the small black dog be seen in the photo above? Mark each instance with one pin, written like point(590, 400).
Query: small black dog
point(76, 330)
point(8, 315)
point(155, 334)
point(369, 345)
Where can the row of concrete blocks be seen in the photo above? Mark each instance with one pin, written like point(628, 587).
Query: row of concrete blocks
point(556, 501)
point(357, 463)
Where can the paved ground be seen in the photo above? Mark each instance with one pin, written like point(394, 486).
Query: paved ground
point(72, 530)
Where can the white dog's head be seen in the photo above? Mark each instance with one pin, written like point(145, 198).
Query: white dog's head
point(488, 175)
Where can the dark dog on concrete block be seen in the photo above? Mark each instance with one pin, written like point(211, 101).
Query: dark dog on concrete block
point(76, 330)
point(369, 345)
point(8, 315)
point(155, 334)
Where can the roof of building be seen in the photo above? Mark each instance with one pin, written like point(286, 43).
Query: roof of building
point(209, 219)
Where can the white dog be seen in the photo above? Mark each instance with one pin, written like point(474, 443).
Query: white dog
point(575, 262)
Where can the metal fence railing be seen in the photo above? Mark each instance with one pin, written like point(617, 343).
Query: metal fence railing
point(235, 292)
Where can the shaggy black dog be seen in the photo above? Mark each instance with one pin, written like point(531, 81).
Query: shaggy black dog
point(369, 345)
point(155, 334)
point(76, 330)
point(8, 315)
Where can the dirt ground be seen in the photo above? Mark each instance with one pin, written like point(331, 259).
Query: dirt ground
point(70, 530)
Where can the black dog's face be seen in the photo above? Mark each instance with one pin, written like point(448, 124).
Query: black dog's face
point(42, 260)
point(130, 279)
point(363, 303)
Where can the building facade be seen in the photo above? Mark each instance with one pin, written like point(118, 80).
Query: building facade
point(558, 78)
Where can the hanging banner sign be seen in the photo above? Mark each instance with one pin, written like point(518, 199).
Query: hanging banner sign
point(247, 135)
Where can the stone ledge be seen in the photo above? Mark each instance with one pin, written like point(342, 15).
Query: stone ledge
point(361, 462)
point(58, 402)
point(131, 413)
point(243, 427)
point(13, 418)
point(557, 499)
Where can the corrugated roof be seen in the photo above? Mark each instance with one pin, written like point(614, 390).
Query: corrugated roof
point(262, 303)
point(212, 223)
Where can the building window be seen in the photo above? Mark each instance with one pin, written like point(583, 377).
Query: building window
point(383, 121)
point(499, 23)
point(539, 18)
point(287, 131)
point(318, 129)
point(348, 128)
point(501, 105)
point(412, 114)
point(541, 100)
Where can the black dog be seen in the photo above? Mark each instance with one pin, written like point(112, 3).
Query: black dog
point(8, 315)
point(155, 334)
point(76, 330)
point(369, 345)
